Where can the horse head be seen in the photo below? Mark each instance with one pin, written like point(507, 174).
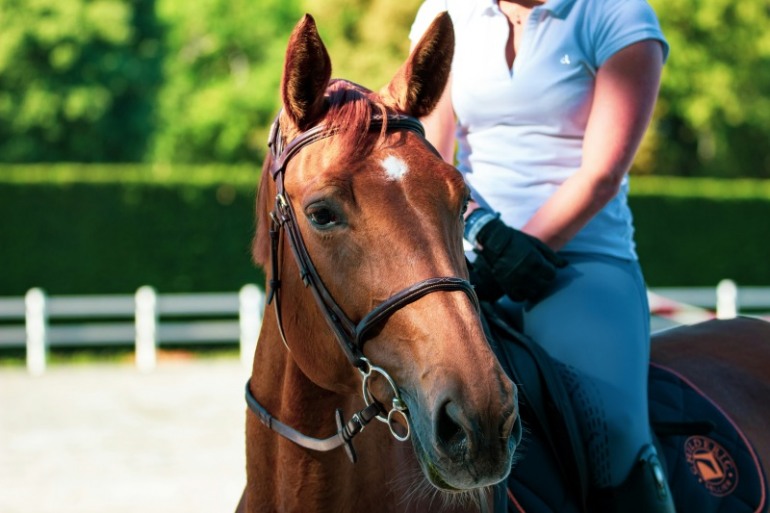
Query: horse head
point(379, 215)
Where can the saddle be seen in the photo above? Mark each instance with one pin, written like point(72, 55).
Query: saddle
point(711, 466)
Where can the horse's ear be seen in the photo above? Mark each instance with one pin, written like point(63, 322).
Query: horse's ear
point(419, 83)
point(306, 75)
point(260, 247)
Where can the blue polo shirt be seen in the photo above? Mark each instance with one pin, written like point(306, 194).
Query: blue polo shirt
point(520, 131)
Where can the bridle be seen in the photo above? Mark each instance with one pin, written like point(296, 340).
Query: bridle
point(350, 335)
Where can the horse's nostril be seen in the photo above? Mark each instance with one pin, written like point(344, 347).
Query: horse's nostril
point(450, 433)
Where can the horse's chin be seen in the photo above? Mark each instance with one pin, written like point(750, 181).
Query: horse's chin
point(442, 478)
point(435, 478)
point(453, 497)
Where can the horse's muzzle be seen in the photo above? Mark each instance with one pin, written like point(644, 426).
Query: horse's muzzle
point(466, 448)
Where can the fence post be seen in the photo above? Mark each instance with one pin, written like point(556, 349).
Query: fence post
point(146, 321)
point(251, 301)
point(36, 320)
point(727, 300)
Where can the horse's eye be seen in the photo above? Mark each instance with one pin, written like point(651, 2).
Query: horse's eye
point(464, 209)
point(322, 217)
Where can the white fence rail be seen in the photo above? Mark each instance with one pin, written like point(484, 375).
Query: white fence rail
point(687, 305)
point(147, 319)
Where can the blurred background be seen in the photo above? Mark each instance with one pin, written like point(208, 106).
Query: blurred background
point(132, 134)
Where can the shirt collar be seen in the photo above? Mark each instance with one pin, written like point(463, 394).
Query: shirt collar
point(557, 7)
point(489, 6)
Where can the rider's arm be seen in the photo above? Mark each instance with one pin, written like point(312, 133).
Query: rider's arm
point(625, 93)
point(440, 131)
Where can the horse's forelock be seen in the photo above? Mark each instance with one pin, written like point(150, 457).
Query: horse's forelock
point(351, 108)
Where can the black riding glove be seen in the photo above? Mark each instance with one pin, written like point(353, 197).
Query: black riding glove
point(522, 265)
point(483, 280)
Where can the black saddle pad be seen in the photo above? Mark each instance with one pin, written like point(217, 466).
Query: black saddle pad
point(712, 471)
point(537, 483)
point(548, 475)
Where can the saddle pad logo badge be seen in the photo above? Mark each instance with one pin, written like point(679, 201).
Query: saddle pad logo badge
point(713, 466)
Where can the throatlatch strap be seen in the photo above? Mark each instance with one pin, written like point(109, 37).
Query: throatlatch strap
point(344, 435)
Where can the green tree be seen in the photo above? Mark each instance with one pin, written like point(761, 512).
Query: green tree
point(713, 115)
point(367, 39)
point(77, 79)
point(223, 72)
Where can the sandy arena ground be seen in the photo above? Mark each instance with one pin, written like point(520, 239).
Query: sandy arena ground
point(97, 438)
point(107, 438)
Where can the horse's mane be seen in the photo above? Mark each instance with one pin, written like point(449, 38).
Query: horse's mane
point(350, 109)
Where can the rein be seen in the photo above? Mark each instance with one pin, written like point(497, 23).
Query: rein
point(350, 335)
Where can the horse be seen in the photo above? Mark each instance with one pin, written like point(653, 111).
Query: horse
point(373, 324)
point(371, 319)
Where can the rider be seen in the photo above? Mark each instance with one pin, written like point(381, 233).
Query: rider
point(548, 102)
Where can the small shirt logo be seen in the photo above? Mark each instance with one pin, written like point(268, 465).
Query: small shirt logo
point(712, 465)
point(565, 60)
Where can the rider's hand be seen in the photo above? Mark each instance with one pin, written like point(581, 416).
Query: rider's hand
point(522, 265)
point(483, 280)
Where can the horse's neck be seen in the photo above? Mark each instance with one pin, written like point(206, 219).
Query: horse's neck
point(284, 390)
point(285, 477)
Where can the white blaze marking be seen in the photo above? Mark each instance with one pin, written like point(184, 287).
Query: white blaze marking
point(394, 167)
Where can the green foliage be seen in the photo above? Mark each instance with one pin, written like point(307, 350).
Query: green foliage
point(712, 189)
point(173, 81)
point(154, 175)
point(713, 115)
point(696, 232)
point(75, 230)
point(684, 249)
point(223, 73)
point(77, 79)
point(367, 39)
point(225, 62)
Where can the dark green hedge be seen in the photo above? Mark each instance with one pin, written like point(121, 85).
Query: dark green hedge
point(95, 229)
point(696, 241)
point(83, 232)
point(693, 232)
